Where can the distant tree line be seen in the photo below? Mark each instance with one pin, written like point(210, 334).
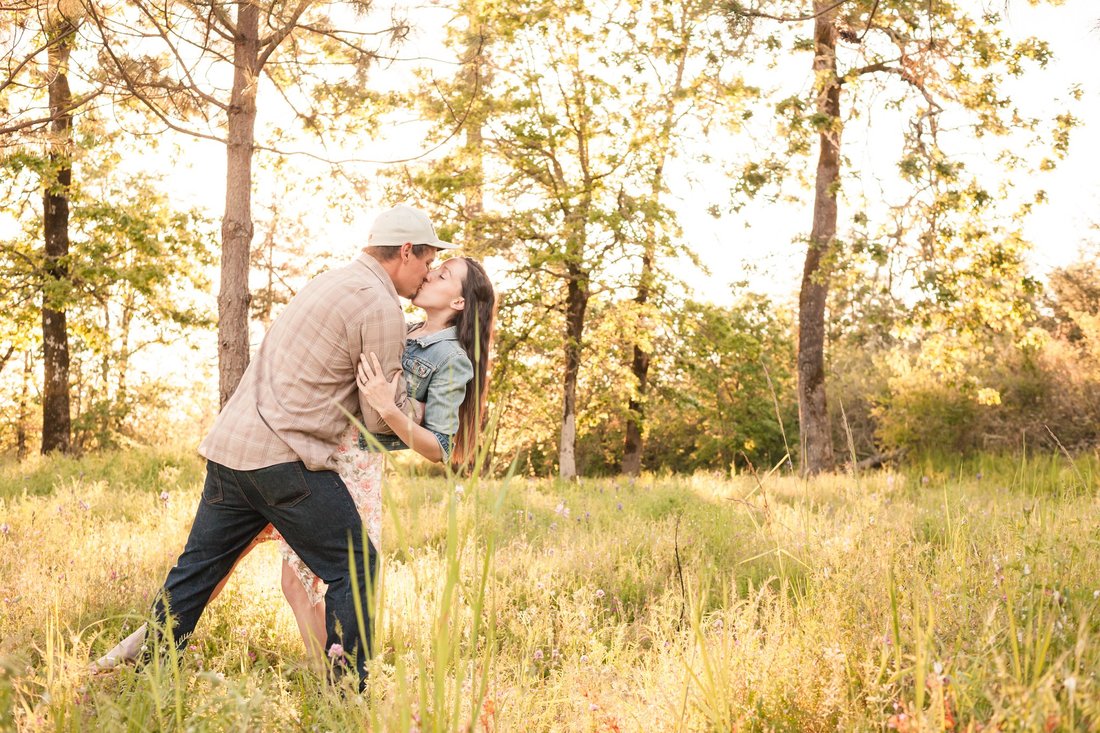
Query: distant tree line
point(555, 147)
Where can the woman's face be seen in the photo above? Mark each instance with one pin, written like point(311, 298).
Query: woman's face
point(442, 288)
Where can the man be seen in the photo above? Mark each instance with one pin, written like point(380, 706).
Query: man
point(270, 451)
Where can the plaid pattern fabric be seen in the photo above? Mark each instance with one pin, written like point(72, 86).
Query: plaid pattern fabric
point(286, 406)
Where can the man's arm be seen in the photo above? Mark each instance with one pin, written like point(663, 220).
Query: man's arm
point(383, 332)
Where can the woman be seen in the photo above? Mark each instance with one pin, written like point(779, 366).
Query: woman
point(445, 366)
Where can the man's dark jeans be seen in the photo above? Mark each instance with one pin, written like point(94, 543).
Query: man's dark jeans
point(314, 513)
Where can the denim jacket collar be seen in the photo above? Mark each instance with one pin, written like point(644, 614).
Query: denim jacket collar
point(447, 334)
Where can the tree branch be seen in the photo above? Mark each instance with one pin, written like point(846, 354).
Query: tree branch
point(190, 87)
point(77, 102)
point(738, 9)
point(273, 41)
point(53, 42)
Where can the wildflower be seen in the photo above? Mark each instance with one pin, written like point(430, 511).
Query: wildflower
point(562, 510)
point(587, 516)
point(553, 525)
point(1027, 569)
point(459, 491)
point(84, 505)
point(1070, 683)
point(979, 477)
point(1095, 593)
point(164, 496)
point(584, 659)
point(898, 721)
point(538, 655)
point(593, 707)
point(600, 593)
point(924, 479)
point(620, 506)
point(937, 667)
point(554, 653)
point(336, 651)
point(5, 528)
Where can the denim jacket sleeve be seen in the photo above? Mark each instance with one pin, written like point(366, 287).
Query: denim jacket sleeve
point(445, 394)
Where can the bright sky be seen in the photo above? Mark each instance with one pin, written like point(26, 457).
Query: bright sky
point(757, 244)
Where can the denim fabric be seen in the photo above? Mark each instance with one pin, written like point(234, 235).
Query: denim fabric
point(437, 372)
point(316, 515)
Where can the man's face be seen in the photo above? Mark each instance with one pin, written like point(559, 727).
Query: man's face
point(412, 271)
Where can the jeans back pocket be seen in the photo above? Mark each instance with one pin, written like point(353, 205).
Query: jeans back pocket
point(281, 486)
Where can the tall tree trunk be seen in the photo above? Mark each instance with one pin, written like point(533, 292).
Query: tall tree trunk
point(233, 295)
point(24, 399)
point(576, 304)
point(815, 434)
point(56, 418)
point(635, 421)
point(127, 317)
point(476, 77)
point(7, 357)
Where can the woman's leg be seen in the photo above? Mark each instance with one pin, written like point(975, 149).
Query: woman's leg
point(129, 648)
point(309, 616)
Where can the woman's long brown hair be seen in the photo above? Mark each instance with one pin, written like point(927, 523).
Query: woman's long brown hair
point(474, 324)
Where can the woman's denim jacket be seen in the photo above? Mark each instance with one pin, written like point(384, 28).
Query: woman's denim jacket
point(437, 372)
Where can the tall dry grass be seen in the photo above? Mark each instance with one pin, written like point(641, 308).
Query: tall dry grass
point(960, 598)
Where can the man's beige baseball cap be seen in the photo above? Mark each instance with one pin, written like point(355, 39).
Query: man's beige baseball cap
point(394, 227)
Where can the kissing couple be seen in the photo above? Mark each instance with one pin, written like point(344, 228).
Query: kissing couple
point(285, 462)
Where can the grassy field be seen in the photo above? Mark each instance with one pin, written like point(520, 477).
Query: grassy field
point(965, 598)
